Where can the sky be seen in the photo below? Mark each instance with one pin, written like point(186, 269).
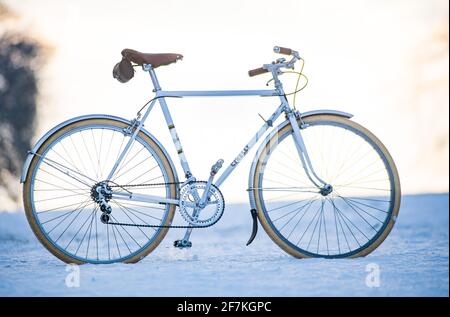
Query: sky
point(386, 62)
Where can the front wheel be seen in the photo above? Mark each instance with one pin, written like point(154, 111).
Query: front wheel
point(354, 217)
point(60, 190)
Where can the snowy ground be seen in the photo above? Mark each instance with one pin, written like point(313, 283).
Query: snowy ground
point(413, 261)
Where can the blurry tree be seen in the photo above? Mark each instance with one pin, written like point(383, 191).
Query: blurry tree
point(20, 60)
point(429, 102)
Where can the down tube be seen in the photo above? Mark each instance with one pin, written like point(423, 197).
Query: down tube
point(250, 144)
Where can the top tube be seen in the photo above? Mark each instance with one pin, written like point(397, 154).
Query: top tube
point(217, 93)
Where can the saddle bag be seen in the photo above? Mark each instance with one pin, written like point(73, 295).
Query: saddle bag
point(123, 71)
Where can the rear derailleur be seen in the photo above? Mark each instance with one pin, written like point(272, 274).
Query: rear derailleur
point(101, 193)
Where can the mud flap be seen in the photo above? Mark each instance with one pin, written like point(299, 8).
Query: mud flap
point(255, 226)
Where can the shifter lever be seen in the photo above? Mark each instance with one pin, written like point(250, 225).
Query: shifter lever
point(216, 167)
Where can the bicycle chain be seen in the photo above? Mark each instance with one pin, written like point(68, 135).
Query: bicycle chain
point(146, 185)
point(158, 226)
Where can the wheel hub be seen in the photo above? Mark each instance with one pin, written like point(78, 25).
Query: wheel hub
point(326, 190)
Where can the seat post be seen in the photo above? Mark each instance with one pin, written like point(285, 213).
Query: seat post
point(151, 71)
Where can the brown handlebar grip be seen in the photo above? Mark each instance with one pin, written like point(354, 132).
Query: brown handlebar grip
point(257, 71)
point(282, 50)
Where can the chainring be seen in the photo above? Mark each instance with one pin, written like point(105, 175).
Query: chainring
point(208, 215)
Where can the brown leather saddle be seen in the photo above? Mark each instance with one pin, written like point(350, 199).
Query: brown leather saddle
point(124, 71)
point(155, 60)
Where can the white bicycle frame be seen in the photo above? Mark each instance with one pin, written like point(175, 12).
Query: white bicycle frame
point(135, 126)
point(284, 107)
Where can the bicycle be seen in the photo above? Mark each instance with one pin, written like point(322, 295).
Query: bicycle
point(102, 189)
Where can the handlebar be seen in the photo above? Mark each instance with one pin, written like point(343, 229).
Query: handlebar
point(257, 71)
point(282, 50)
point(282, 63)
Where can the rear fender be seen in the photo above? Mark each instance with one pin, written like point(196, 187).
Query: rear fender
point(39, 143)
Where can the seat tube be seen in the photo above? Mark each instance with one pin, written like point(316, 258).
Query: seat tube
point(170, 124)
point(177, 143)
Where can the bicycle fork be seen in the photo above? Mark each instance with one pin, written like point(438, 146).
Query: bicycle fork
point(324, 187)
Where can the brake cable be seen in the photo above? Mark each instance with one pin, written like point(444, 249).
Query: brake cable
point(297, 90)
point(154, 98)
point(300, 75)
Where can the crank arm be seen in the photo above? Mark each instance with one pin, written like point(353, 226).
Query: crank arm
point(193, 205)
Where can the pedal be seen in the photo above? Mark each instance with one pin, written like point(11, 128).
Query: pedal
point(182, 244)
point(255, 226)
point(216, 167)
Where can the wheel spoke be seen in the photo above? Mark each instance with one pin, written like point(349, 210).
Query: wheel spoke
point(354, 211)
point(300, 219)
point(63, 198)
point(87, 229)
point(125, 205)
point(312, 220)
point(289, 204)
point(297, 210)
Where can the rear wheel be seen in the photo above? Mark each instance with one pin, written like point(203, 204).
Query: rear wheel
point(60, 186)
point(354, 217)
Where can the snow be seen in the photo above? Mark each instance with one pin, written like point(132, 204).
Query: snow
point(413, 261)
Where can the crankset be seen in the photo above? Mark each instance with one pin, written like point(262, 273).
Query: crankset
point(189, 208)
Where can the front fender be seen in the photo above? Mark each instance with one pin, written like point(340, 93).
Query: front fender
point(38, 144)
point(274, 131)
